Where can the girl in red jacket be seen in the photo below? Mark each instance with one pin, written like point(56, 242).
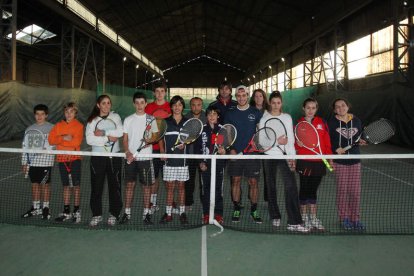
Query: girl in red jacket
point(311, 171)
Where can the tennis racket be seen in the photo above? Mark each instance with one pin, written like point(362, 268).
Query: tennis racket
point(68, 167)
point(190, 131)
point(34, 140)
point(161, 113)
point(150, 136)
point(224, 137)
point(279, 127)
point(375, 133)
point(106, 125)
point(263, 140)
point(307, 134)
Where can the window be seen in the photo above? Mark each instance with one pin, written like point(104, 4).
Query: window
point(32, 34)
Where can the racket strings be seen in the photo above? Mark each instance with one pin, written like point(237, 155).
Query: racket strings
point(226, 136)
point(379, 131)
point(190, 131)
point(264, 139)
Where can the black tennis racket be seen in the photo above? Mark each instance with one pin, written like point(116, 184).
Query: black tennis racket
point(190, 131)
point(263, 140)
point(225, 137)
point(279, 127)
point(375, 133)
point(33, 140)
point(105, 125)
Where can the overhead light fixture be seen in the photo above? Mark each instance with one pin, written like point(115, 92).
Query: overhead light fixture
point(136, 67)
point(254, 76)
point(124, 59)
point(282, 59)
point(248, 79)
point(405, 3)
point(270, 66)
point(225, 78)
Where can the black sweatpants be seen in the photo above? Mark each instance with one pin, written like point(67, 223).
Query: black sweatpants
point(110, 168)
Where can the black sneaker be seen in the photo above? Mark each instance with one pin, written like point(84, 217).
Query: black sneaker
point(63, 217)
point(166, 218)
point(236, 216)
point(45, 213)
point(125, 219)
point(183, 218)
point(147, 220)
point(32, 212)
point(256, 218)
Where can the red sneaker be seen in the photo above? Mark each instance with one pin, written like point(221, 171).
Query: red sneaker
point(219, 219)
point(206, 219)
point(165, 219)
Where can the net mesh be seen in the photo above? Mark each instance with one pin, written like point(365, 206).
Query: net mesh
point(383, 202)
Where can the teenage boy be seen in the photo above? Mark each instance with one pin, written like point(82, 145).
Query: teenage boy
point(134, 128)
point(38, 166)
point(159, 108)
point(68, 135)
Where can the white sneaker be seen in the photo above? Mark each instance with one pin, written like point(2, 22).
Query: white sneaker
point(306, 221)
point(297, 228)
point(95, 221)
point(316, 223)
point(154, 208)
point(76, 217)
point(111, 220)
point(276, 222)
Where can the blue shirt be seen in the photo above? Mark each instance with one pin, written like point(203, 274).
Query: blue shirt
point(245, 122)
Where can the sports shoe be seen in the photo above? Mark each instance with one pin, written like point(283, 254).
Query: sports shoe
point(206, 219)
point(95, 221)
point(297, 228)
point(166, 218)
point(359, 226)
point(32, 212)
point(183, 218)
point(236, 216)
point(63, 217)
point(154, 208)
point(125, 219)
point(317, 224)
point(147, 220)
point(306, 221)
point(275, 222)
point(347, 225)
point(111, 220)
point(46, 213)
point(76, 216)
point(256, 218)
point(219, 218)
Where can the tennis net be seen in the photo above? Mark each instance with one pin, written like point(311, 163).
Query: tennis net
point(381, 199)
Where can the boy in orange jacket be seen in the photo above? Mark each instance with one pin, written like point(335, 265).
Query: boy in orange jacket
point(67, 135)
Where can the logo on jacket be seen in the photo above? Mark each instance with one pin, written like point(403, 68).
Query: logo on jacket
point(319, 126)
point(348, 133)
point(251, 117)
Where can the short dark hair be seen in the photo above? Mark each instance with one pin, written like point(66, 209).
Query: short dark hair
point(341, 99)
point(177, 99)
point(41, 107)
point(159, 84)
point(196, 98)
point(139, 95)
point(212, 109)
point(225, 83)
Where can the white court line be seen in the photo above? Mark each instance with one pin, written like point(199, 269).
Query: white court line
point(10, 176)
point(392, 177)
point(204, 271)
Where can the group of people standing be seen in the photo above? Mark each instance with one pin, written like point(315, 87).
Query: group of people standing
point(180, 174)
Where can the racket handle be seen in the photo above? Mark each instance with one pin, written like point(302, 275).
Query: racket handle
point(348, 147)
point(70, 180)
point(328, 166)
point(26, 173)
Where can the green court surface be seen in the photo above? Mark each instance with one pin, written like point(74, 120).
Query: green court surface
point(31, 250)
